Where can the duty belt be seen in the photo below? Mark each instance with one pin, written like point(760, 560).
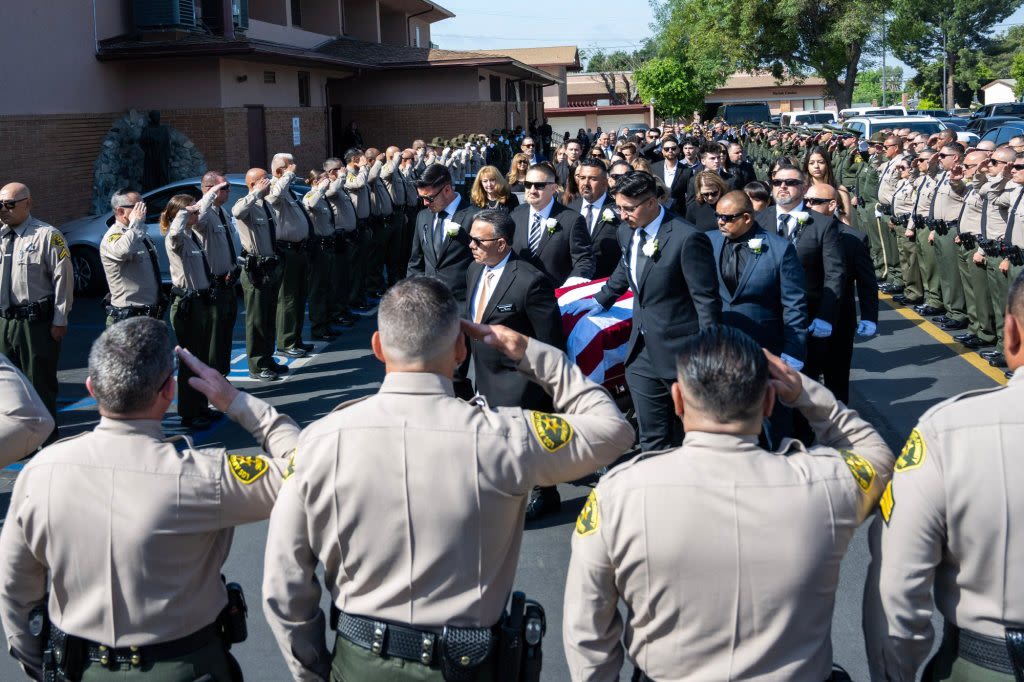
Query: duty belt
point(36, 310)
point(992, 247)
point(885, 209)
point(988, 652)
point(968, 240)
point(322, 242)
point(69, 650)
point(291, 246)
point(388, 639)
point(118, 313)
point(207, 294)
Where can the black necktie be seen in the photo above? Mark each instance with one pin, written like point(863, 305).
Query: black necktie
point(273, 230)
point(151, 250)
point(206, 263)
point(984, 217)
point(6, 293)
point(227, 235)
point(590, 218)
point(1008, 237)
point(731, 265)
point(641, 258)
point(439, 231)
point(784, 225)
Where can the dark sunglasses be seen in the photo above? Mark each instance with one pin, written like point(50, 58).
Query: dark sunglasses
point(538, 185)
point(788, 182)
point(528, 146)
point(429, 199)
point(942, 155)
point(816, 201)
point(9, 204)
point(902, 168)
point(708, 195)
point(523, 162)
point(673, 148)
point(969, 166)
point(1018, 166)
point(480, 242)
point(728, 217)
point(615, 176)
point(890, 145)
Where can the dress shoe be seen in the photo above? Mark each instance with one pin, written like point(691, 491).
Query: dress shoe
point(278, 368)
point(964, 337)
point(997, 360)
point(543, 501)
point(976, 343)
point(294, 352)
point(989, 354)
point(361, 307)
point(304, 346)
point(941, 319)
point(903, 300)
point(891, 288)
point(265, 375)
point(953, 325)
point(345, 320)
point(927, 310)
point(198, 423)
point(325, 335)
point(212, 414)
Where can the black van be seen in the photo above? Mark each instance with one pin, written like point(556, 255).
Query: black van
point(741, 112)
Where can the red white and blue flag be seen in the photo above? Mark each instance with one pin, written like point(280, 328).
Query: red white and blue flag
point(597, 343)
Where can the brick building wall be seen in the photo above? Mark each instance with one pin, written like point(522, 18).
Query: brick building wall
point(55, 155)
point(382, 125)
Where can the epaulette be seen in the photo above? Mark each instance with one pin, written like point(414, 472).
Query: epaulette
point(636, 459)
point(958, 398)
point(790, 445)
point(349, 403)
point(178, 439)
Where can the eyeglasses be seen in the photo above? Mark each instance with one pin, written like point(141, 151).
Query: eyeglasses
point(528, 146)
point(1018, 166)
point(788, 182)
point(902, 168)
point(943, 155)
point(673, 148)
point(968, 166)
point(9, 204)
point(630, 210)
point(816, 201)
point(709, 195)
point(922, 160)
point(480, 242)
point(728, 217)
point(524, 162)
point(429, 199)
point(536, 185)
point(615, 176)
point(890, 145)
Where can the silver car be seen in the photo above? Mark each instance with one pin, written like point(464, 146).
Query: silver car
point(85, 234)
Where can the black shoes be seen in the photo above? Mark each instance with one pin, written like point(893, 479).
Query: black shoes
point(997, 360)
point(988, 354)
point(326, 334)
point(543, 501)
point(265, 375)
point(279, 368)
point(304, 346)
point(903, 300)
point(964, 337)
point(198, 423)
point(953, 325)
point(294, 352)
point(890, 288)
point(976, 343)
point(1008, 374)
point(927, 310)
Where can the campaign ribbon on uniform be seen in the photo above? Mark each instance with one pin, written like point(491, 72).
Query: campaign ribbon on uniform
point(597, 343)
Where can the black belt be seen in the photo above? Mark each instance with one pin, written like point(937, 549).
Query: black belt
point(968, 240)
point(208, 294)
point(126, 312)
point(388, 639)
point(988, 652)
point(322, 242)
point(29, 311)
point(291, 246)
point(140, 655)
point(885, 209)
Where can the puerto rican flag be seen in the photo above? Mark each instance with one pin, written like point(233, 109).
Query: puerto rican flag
point(597, 343)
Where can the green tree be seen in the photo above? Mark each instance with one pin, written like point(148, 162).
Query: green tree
point(869, 85)
point(1017, 71)
point(616, 70)
point(921, 34)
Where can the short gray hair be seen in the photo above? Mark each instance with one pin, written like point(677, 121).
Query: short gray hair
point(503, 224)
point(122, 199)
point(129, 363)
point(418, 320)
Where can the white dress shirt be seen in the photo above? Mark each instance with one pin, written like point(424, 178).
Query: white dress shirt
point(497, 270)
point(791, 225)
point(596, 216)
point(670, 174)
point(652, 232)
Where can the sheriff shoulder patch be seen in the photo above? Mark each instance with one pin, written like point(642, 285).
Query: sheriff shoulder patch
point(887, 503)
point(861, 469)
point(552, 431)
point(290, 471)
point(247, 468)
point(912, 455)
point(114, 237)
point(589, 518)
point(57, 242)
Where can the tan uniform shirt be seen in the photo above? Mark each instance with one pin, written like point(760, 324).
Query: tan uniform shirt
point(888, 178)
point(949, 203)
point(320, 211)
point(924, 192)
point(125, 253)
point(24, 420)
point(953, 514)
point(974, 205)
point(905, 196)
point(253, 216)
point(995, 222)
point(359, 191)
point(726, 555)
point(292, 221)
point(394, 181)
point(185, 252)
point(1007, 200)
point(214, 230)
point(341, 204)
point(414, 500)
point(41, 267)
point(133, 529)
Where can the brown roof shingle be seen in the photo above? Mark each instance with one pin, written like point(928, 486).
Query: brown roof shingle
point(561, 55)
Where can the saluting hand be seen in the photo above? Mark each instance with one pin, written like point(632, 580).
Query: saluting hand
point(138, 212)
point(262, 186)
point(499, 337)
point(208, 381)
point(785, 379)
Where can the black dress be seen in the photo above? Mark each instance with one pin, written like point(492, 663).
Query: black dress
point(701, 215)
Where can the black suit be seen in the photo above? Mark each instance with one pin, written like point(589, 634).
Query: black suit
point(563, 170)
point(676, 295)
point(565, 250)
point(524, 300)
point(744, 173)
point(604, 238)
point(450, 264)
point(680, 181)
point(727, 177)
point(860, 277)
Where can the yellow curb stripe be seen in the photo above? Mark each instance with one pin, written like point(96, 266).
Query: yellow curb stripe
point(928, 327)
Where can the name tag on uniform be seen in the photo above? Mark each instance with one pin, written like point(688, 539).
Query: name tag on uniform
point(506, 308)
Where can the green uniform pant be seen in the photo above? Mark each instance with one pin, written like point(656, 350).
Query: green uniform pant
point(224, 312)
point(360, 251)
point(352, 663)
point(30, 347)
point(192, 320)
point(321, 272)
point(291, 298)
point(340, 276)
point(211, 660)
point(947, 666)
point(974, 279)
point(261, 320)
point(890, 250)
point(953, 298)
point(932, 285)
point(865, 219)
point(395, 259)
point(998, 288)
point(910, 256)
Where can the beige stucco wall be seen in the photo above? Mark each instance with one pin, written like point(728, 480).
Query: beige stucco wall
point(431, 86)
point(362, 20)
point(283, 93)
point(288, 35)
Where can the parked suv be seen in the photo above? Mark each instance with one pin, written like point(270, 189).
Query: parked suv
point(741, 112)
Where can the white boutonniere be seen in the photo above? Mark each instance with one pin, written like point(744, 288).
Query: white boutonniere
point(451, 228)
point(608, 215)
point(650, 248)
point(801, 216)
point(551, 224)
point(756, 245)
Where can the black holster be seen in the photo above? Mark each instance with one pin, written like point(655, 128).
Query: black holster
point(1015, 647)
point(521, 631)
point(464, 650)
point(232, 617)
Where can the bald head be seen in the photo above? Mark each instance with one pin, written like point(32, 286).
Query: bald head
point(986, 146)
point(254, 175)
point(821, 198)
point(22, 203)
point(736, 201)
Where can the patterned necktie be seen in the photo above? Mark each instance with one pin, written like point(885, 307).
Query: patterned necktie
point(784, 225)
point(485, 294)
point(8, 265)
point(589, 215)
point(535, 234)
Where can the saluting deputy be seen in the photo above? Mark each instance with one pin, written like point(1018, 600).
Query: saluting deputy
point(120, 535)
point(130, 262)
point(952, 538)
point(214, 231)
point(294, 228)
point(24, 420)
point(726, 555)
point(392, 552)
point(36, 292)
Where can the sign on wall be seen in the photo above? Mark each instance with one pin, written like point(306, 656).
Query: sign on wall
point(296, 132)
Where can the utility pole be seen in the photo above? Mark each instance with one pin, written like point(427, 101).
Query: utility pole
point(945, 60)
point(883, 60)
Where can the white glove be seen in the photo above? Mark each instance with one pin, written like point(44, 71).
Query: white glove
point(573, 281)
point(867, 328)
point(820, 329)
point(792, 362)
point(587, 306)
